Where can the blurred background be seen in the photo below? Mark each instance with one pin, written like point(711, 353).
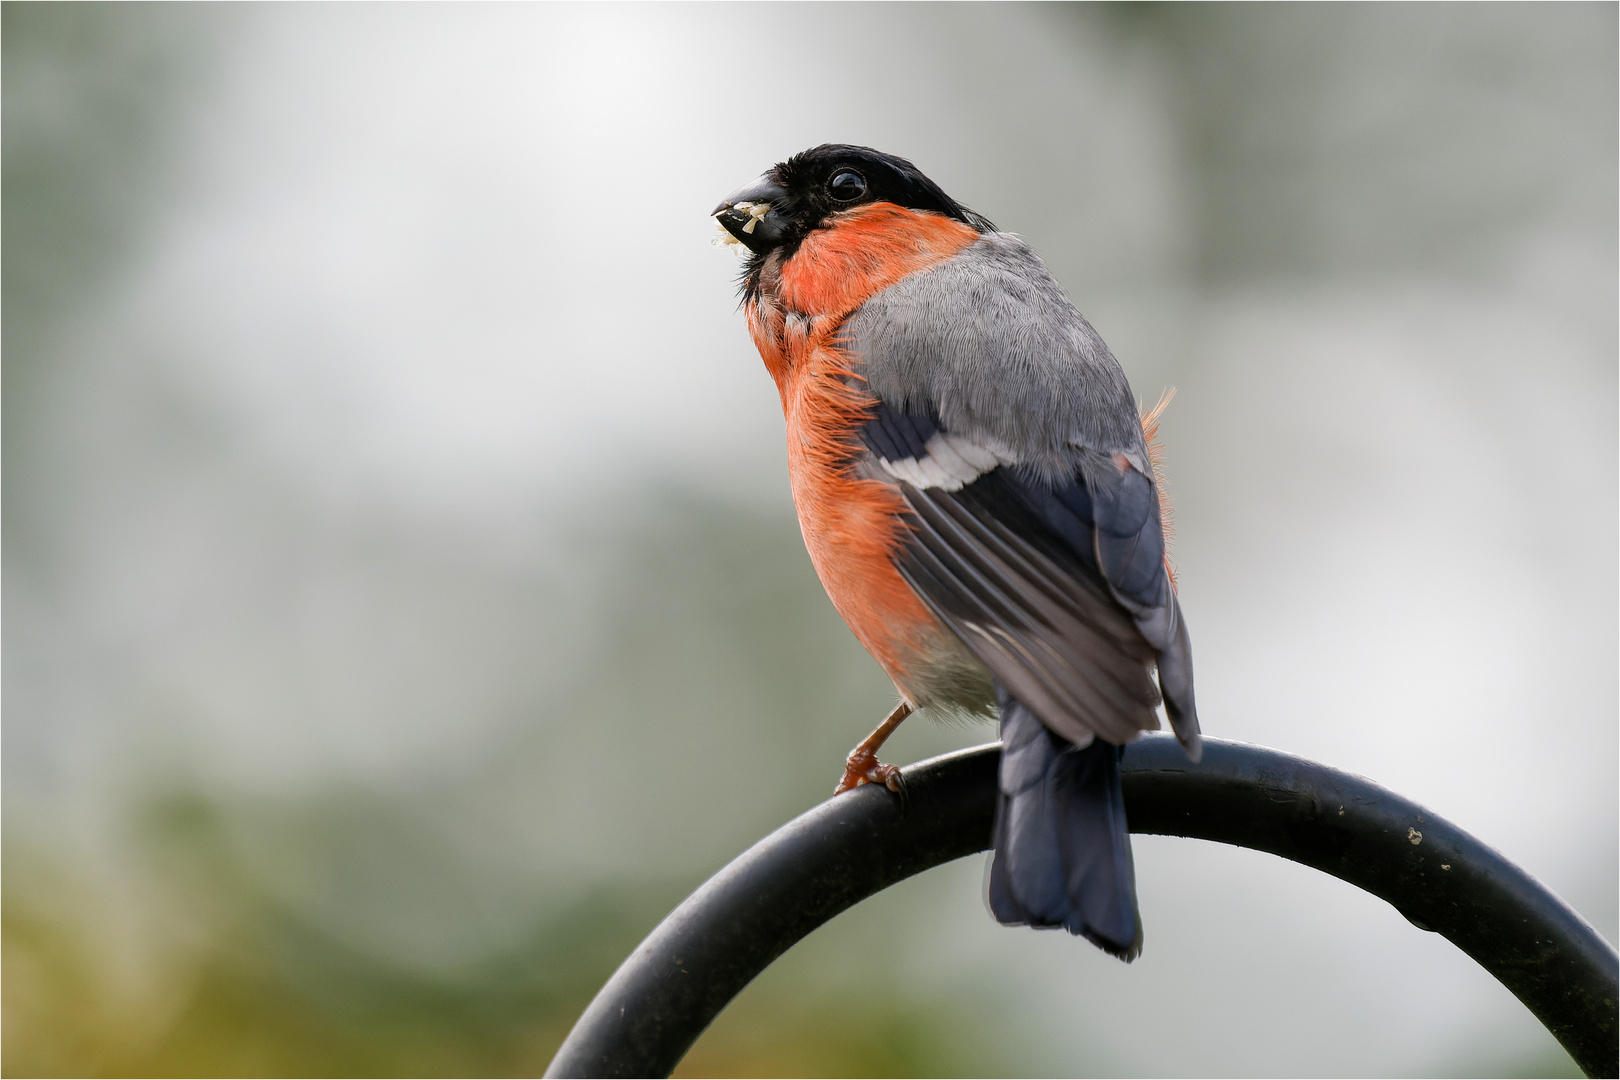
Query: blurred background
point(404, 606)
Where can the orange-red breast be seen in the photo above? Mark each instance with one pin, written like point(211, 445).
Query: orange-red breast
point(978, 495)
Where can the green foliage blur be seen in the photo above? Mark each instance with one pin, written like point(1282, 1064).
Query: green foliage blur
point(249, 986)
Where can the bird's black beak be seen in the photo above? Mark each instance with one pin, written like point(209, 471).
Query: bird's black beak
point(753, 214)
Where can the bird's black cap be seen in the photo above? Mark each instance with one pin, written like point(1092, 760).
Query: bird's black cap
point(809, 188)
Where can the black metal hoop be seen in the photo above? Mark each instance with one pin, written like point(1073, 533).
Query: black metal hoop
point(672, 987)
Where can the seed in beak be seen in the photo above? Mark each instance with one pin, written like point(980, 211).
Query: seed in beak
point(755, 211)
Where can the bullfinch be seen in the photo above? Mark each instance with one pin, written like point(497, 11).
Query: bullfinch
point(977, 492)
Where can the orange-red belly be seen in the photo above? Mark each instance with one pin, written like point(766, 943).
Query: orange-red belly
point(852, 525)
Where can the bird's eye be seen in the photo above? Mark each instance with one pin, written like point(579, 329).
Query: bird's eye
point(847, 185)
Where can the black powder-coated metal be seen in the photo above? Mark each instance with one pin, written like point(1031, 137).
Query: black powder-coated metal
point(1442, 879)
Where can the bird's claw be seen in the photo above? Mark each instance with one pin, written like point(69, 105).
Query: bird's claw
point(865, 768)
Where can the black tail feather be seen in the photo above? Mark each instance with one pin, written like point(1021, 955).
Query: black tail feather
point(1063, 852)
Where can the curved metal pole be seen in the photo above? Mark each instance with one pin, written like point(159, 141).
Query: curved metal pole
point(1442, 879)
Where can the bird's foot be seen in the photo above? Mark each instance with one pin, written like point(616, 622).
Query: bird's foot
point(863, 767)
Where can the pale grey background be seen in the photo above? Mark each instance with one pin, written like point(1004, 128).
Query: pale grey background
point(388, 469)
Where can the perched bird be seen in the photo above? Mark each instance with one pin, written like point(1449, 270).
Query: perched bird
point(977, 493)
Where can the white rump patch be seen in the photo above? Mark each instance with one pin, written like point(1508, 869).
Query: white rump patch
point(951, 463)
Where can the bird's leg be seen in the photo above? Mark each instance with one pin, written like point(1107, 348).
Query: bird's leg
point(863, 767)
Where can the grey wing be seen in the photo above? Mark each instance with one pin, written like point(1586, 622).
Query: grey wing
point(1057, 587)
point(1036, 531)
point(1048, 633)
